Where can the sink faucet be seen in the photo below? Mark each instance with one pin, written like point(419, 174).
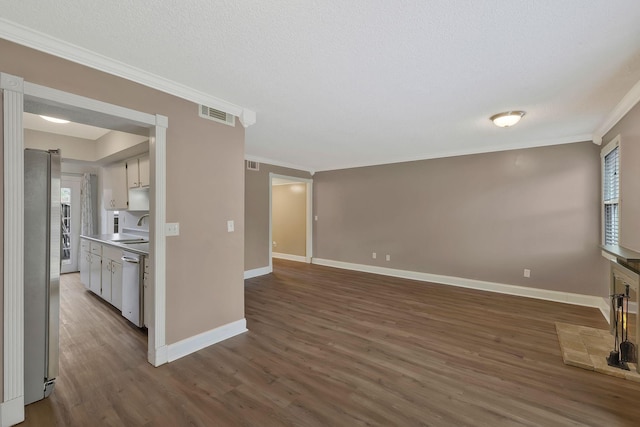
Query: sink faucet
point(141, 218)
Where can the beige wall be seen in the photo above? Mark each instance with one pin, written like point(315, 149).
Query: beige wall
point(71, 147)
point(205, 187)
point(256, 209)
point(484, 217)
point(289, 218)
point(629, 130)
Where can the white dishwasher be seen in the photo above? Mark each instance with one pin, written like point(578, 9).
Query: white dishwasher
point(132, 287)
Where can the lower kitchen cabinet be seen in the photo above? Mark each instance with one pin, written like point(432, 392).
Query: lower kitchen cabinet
point(112, 275)
point(95, 279)
point(85, 264)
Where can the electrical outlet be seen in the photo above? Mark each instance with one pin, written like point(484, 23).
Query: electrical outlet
point(388, 257)
point(275, 244)
point(316, 217)
point(374, 255)
point(527, 272)
point(230, 226)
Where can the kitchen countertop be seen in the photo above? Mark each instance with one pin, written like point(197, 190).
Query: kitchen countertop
point(108, 239)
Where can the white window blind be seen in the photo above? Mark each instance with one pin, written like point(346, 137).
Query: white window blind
point(610, 188)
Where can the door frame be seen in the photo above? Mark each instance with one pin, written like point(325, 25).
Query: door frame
point(76, 179)
point(14, 89)
point(309, 214)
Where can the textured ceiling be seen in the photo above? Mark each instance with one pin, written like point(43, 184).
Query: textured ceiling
point(344, 83)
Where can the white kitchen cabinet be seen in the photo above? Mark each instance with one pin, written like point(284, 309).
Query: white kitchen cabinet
point(116, 284)
point(138, 172)
point(95, 281)
point(115, 194)
point(112, 275)
point(105, 291)
point(146, 293)
point(85, 263)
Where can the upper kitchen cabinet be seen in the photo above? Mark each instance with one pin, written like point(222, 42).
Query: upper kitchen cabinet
point(115, 194)
point(138, 172)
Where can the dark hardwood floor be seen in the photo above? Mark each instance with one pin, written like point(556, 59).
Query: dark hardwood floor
point(328, 347)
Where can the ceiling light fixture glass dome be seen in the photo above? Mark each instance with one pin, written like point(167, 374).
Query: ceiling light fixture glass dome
point(54, 120)
point(507, 119)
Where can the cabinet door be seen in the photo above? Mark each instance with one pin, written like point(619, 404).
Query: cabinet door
point(96, 274)
point(85, 269)
point(143, 170)
point(133, 174)
point(116, 284)
point(105, 292)
point(115, 193)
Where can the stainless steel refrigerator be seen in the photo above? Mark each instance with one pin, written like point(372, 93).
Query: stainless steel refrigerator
point(42, 227)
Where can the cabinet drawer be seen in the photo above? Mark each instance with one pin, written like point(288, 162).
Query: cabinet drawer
point(112, 252)
point(96, 248)
point(84, 245)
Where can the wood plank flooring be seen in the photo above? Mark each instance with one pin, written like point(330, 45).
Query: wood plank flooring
point(328, 347)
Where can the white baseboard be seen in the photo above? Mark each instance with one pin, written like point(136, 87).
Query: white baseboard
point(543, 294)
point(257, 272)
point(289, 257)
point(605, 309)
point(205, 339)
point(12, 412)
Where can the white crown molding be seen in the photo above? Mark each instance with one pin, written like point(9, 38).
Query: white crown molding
point(62, 49)
point(502, 288)
point(12, 412)
point(205, 339)
point(278, 163)
point(289, 257)
point(624, 106)
point(484, 150)
point(250, 274)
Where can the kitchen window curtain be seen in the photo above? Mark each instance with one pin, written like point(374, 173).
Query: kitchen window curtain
point(88, 208)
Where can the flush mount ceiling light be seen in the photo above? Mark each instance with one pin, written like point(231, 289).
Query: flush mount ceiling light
point(54, 120)
point(506, 119)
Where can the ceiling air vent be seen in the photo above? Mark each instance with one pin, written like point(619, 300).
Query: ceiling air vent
point(253, 166)
point(217, 115)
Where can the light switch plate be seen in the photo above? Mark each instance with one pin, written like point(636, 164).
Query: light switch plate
point(230, 226)
point(172, 229)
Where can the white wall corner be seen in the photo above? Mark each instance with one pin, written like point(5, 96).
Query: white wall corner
point(205, 339)
point(12, 412)
point(247, 117)
point(250, 274)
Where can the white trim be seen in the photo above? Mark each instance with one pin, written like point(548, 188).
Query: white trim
point(13, 279)
point(502, 288)
point(205, 339)
point(624, 106)
point(465, 152)
point(12, 412)
point(250, 274)
point(605, 309)
point(611, 145)
point(62, 49)
point(289, 257)
point(278, 163)
point(156, 352)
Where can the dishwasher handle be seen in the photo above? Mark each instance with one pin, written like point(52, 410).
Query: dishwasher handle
point(130, 259)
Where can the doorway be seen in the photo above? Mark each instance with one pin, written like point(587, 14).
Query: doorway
point(70, 219)
point(290, 218)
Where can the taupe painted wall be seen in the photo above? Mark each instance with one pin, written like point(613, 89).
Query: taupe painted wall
point(629, 130)
point(289, 218)
point(256, 210)
point(484, 217)
point(205, 188)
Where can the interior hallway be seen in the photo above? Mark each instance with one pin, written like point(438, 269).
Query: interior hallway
point(329, 347)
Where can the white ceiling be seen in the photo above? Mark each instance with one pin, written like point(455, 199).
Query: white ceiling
point(35, 122)
point(345, 83)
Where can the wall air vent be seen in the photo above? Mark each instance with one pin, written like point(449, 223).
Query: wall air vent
point(217, 115)
point(253, 166)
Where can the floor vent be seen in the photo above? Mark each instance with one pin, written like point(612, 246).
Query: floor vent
point(217, 115)
point(253, 166)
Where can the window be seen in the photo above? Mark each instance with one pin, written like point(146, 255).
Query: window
point(610, 192)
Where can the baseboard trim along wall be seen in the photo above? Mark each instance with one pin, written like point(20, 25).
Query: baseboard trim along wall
point(289, 257)
point(205, 339)
point(543, 294)
point(12, 412)
point(249, 274)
